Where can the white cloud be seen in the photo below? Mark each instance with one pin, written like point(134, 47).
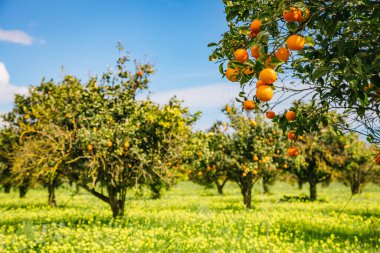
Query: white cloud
point(201, 97)
point(16, 36)
point(7, 90)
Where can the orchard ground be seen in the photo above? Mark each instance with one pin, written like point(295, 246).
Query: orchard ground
point(190, 218)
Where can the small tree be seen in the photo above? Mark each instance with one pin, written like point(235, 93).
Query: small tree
point(315, 164)
point(254, 143)
point(353, 158)
point(209, 156)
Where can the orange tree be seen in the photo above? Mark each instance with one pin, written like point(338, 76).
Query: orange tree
point(254, 145)
point(8, 138)
point(326, 48)
point(316, 157)
point(99, 135)
point(209, 156)
point(353, 158)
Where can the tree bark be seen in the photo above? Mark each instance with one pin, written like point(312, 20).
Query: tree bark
point(7, 187)
point(355, 187)
point(51, 199)
point(300, 184)
point(155, 190)
point(313, 190)
point(23, 190)
point(246, 190)
point(116, 201)
point(220, 186)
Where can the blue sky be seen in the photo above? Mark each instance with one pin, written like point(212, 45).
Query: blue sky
point(38, 37)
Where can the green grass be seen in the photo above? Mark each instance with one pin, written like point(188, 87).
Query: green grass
point(190, 218)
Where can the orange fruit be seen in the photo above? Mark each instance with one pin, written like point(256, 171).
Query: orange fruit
point(290, 115)
point(295, 42)
point(270, 114)
point(109, 144)
point(241, 55)
point(126, 145)
point(377, 160)
point(268, 76)
point(291, 135)
point(300, 17)
point(249, 105)
point(258, 83)
point(368, 87)
point(140, 73)
point(293, 151)
point(264, 93)
point(283, 54)
point(248, 71)
point(255, 25)
point(255, 52)
point(89, 147)
point(231, 74)
point(292, 14)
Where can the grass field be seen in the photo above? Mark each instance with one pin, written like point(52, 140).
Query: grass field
point(190, 218)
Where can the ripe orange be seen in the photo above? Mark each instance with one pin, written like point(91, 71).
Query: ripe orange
point(249, 105)
point(291, 135)
point(268, 76)
point(255, 25)
point(283, 54)
point(377, 160)
point(292, 15)
point(258, 83)
point(109, 144)
point(89, 147)
point(290, 115)
point(255, 52)
point(140, 73)
point(241, 55)
point(248, 71)
point(295, 42)
point(301, 18)
point(293, 151)
point(270, 114)
point(231, 74)
point(264, 93)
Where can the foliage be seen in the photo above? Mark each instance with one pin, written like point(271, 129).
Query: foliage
point(339, 66)
point(209, 156)
point(99, 135)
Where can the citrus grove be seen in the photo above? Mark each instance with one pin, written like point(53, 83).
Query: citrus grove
point(95, 165)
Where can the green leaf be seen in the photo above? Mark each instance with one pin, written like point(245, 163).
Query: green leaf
point(213, 44)
point(309, 41)
point(319, 72)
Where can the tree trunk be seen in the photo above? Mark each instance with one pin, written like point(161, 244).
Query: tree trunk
point(313, 190)
point(246, 190)
point(23, 190)
point(155, 191)
point(300, 184)
point(7, 187)
point(220, 186)
point(116, 201)
point(355, 187)
point(51, 189)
